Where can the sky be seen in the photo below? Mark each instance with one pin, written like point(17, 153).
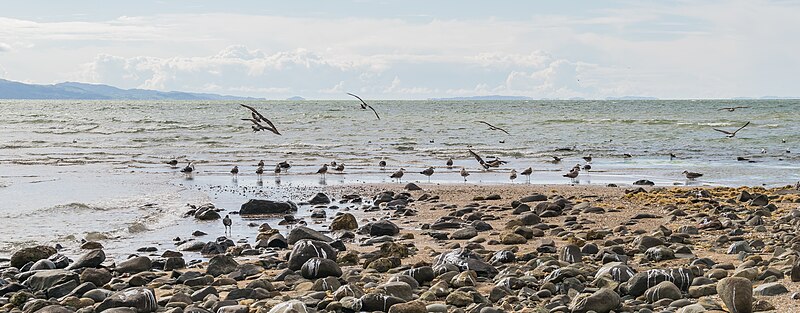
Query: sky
point(414, 49)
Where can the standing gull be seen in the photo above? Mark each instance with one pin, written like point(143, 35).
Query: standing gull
point(428, 172)
point(731, 134)
point(513, 175)
point(691, 175)
point(323, 170)
point(492, 127)
point(464, 173)
point(364, 105)
point(259, 171)
point(227, 223)
point(260, 163)
point(257, 119)
point(527, 172)
point(573, 173)
point(398, 175)
point(450, 163)
point(235, 171)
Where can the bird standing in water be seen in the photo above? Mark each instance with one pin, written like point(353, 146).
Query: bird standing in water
point(235, 170)
point(513, 175)
point(382, 164)
point(527, 172)
point(450, 163)
point(398, 175)
point(188, 169)
point(323, 170)
point(227, 223)
point(464, 173)
point(427, 172)
point(259, 171)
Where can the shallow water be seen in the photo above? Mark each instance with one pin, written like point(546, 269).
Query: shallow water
point(72, 168)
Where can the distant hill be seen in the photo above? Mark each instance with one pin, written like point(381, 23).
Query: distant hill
point(491, 97)
point(631, 98)
point(296, 98)
point(71, 90)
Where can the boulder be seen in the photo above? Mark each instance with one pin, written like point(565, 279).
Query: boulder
point(466, 260)
point(383, 228)
point(319, 198)
point(736, 293)
point(134, 265)
point(143, 299)
point(306, 249)
point(317, 267)
point(221, 264)
point(302, 232)
point(601, 301)
point(664, 290)
point(31, 254)
point(291, 306)
point(261, 207)
point(344, 221)
point(46, 279)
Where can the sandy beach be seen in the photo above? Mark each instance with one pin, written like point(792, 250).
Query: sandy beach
point(449, 247)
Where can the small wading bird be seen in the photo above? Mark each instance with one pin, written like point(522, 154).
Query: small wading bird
point(527, 172)
point(323, 170)
point(513, 175)
point(235, 171)
point(257, 119)
point(428, 172)
point(277, 169)
point(364, 105)
point(227, 223)
point(492, 127)
point(691, 175)
point(397, 175)
point(464, 174)
point(172, 163)
point(731, 134)
point(189, 168)
point(450, 163)
point(731, 109)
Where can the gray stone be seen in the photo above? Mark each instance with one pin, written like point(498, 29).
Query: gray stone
point(737, 294)
point(134, 265)
point(220, 265)
point(306, 249)
point(664, 290)
point(32, 254)
point(262, 207)
point(601, 301)
point(143, 299)
point(317, 267)
point(302, 232)
point(770, 289)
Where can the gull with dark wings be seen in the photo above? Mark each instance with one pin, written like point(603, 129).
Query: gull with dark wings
point(257, 119)
point(733, 133)
point(731, 109)
point(492, 127)
point(364, 105)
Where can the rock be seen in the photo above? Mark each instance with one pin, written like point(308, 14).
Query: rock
point(659, 253)
point(759, 200)
point(617, 270)
point(306, 249)
point(601, 301)
point(795, 272)
point(207, 215)
point(302, 232)
point(317, 267)
point(32, 254)
point(383, 228)
point(739, 246)
point(640, 282)
point(421, 274)
point(274, 241)
point(570, 254)
point(466, 260)
point(409, 307)
point(737, 294)
point(378, 302)
point(664, 290)
point(396, 289)
point(238, 308)
point(508, 238)
point(344, 221)
point(692, 308)
point(530, 219)
point(762, 305)
point(643, 182)
point(348, 290)
point(319, 213)
point(134, 265)
point(54, 309)
point(261, 207)
point(291, 306)
point(220, 265)
point(174, 263)
point(464, 233)
point(46, 279)
point(97, 276)
point(770, 289)
point(143, 299)
point(533, 198)
point(43, 264)
point(319, 198)
point(459, 298)
point(412, 187)
point(192, 246)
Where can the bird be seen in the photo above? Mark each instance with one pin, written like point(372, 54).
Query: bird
point(627, 155)
point(339, 167)
point(587, 167)
point(763, 151)
point(235, 170)
point(428, 172)
point(513, 175)
point(189, 168)
point(172, 162)
point(285, 165)
point(486, 165)
point(556, 159)
point(260, 170)
point(398, 175)
point(588, 158)
point(364, 105)
point(277, 169)
point(227, 223)
point(573, 173)
point(449, 163)
point(323, 170)
point(672, 156)
point(731, 109)
point(257, 119)
point(528, 172)
point(492, 127)
point(260, 163)
point(731, 134)
point(691, 175)
point(333, 163)
point(382, 164)
point(464, 173)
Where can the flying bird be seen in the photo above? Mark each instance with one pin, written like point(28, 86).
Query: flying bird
point(731, 134)
point(364, 105)
point(731, 109)
point(257, 119)
point(492, 127)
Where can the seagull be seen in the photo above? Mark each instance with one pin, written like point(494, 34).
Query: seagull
point(450, 163)
point(428, 172)
point(189, 168)
point(464, 173)
point(260, 170)
point(277, 169)
point(731, 109)
point(528, 172)
point(492, 127)
point(382, 164)
point(257, 118)
point(322, 170)
point(235, 170)
point(627, 155)
point(573, 173)
point(672, 156)
point(513, 175)
point(339, 167)
point(398, 174)
point(588, 158)
point(691, 175)
point(731, 134)
point(556, 159)
point(172, 162)
point(227, 223)
point(285, 165)
point(364, 105)
point(260, 163)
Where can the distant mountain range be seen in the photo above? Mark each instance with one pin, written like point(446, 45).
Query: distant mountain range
point(491, 97)
point(71, 90)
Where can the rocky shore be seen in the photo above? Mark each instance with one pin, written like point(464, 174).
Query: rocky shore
point(386, 248)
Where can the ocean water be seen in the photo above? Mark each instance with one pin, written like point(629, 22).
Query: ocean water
point(72, 169)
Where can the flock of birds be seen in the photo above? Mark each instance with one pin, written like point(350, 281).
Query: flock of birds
point(261, 123)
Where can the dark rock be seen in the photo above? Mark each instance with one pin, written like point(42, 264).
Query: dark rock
point(640, 282)
point(43, 264)
point(344, 221)
point(770, 289)
point(302, 232)
point(220, 265)
point(378, 302)
point(533, 198)
point(570, 254)
point(291, 306)
point(464, 233)
point(32, 254)
point(416, 306)
point(319, 198)
point(192, 246)
point(412, 187)
point(143, 299)
point(664, 290)
point(466, 260)
point(134, 265)
point(759, 200)
point(421, 274)
point(43, 280)
point(383, 228)
point(317, 267)
point(260, 207)
point(306, 249)
point(643, 182)
point(601, 301)
point(207, 215)
point(60, 260)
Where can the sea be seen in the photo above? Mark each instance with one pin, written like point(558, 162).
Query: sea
point(73, 170)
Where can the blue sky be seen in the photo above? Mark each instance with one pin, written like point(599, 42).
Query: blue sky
point(410, 49)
